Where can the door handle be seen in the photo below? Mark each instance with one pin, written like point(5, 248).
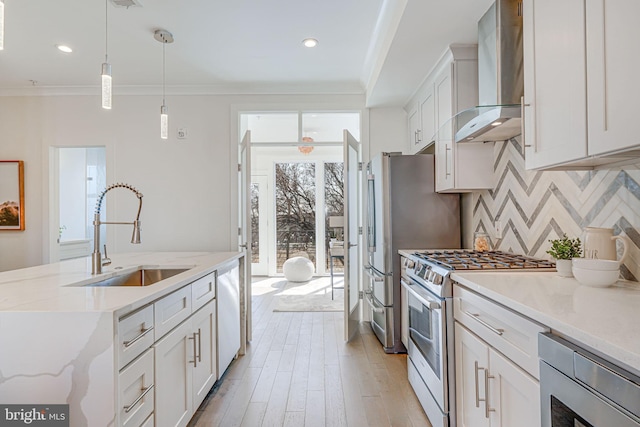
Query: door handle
point(351, 245)
point(195, 350)
point(244, 245)
point(199, 345)
point(487, 408)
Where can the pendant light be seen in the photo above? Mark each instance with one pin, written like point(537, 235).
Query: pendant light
point(163, 37)
point(1, 24)
point(106, 67)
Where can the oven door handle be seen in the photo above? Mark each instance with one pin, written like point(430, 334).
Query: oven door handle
point(373, 274)
point(429, 302)
point(367, 296)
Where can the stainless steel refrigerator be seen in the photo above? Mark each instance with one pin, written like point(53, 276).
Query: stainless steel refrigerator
point(403, 212)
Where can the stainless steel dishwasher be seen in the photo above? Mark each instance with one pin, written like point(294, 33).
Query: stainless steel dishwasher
point(580, 389)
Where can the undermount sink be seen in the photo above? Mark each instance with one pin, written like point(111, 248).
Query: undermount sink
point(142, 277)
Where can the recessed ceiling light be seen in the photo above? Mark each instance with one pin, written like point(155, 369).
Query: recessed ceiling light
point(310, 42)
point(64, 48)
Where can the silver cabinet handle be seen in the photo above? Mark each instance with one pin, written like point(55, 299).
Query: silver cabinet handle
point(476, 316)
point(446, 160)
point(522, 129)
point(143, 332)
point(128, 408)
point(199, 346)
point(195, 350)
point(477, 385)
point(419, 131)
point(487, 409)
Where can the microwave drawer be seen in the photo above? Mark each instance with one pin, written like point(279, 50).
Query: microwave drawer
point(512, 334)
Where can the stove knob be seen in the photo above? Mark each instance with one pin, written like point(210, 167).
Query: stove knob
point(432, 276)
point(438, 279)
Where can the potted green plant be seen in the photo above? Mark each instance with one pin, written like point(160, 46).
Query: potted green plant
point(564, 250)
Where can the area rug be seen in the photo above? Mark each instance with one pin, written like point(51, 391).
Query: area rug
point(314, 295)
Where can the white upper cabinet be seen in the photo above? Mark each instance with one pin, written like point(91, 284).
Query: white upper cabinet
point(450, 87)
point(554, 82)
point(422, 119)
point(580, 82)
point(613, 74)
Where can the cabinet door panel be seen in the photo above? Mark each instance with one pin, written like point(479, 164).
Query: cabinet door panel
point(205, 371)
point(174, 362)
point(428, 117)
point(613, 66)
point(555, 82)
point(472, 359)
point(514, 395)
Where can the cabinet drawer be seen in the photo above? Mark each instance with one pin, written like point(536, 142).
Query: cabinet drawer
point(513, 335)
point(135, 335)
point(171, 310)
point(136, 391)
point(203, 290)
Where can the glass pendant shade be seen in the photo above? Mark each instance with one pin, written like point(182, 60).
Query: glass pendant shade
point(1, 24)
point(106, 86)
point(164, 122)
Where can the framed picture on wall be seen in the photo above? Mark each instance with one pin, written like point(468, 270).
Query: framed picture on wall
point(11, 195)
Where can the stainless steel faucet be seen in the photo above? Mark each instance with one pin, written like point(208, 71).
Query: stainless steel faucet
point(96, 256)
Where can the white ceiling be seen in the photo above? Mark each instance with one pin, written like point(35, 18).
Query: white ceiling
point(382, 48)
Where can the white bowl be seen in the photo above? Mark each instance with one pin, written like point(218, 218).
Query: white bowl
point(596, 264)
point(595, 278)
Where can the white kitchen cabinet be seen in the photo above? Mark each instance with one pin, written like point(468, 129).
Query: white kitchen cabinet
point(613, 67)
point(497, 369)
point(205, 372)
point(136, 391)
point(422, 119)
point(460, 167)
point(185, 368)
point(472, 359)
point(580, 83)
point(491, 391)
point(555, 81)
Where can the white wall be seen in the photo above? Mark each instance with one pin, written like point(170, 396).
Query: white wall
point(189, 186)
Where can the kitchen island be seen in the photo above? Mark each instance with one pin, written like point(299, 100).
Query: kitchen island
point(100, 348)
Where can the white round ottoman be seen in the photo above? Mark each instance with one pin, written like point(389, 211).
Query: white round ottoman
point(298, 269)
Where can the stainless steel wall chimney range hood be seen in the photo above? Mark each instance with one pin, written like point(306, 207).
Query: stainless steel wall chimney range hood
point(500, 77)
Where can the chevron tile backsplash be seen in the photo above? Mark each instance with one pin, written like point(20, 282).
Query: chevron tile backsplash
point(534, 206)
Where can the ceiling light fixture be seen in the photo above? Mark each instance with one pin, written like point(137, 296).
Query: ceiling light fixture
point(164, 37)
point(310, 42)
point(1, 24)
point(106, 67)
point(64, 48)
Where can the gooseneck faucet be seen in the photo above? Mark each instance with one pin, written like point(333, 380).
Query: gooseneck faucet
point(96, 256)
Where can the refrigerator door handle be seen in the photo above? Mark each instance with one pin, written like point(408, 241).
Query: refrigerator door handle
point(369, 271)
point(372, 304)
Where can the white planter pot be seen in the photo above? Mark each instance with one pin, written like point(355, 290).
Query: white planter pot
point(564, 267)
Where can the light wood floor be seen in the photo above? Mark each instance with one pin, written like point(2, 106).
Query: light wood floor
point(298, 371)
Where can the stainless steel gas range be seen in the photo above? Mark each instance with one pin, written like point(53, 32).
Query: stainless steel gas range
point(426, 278)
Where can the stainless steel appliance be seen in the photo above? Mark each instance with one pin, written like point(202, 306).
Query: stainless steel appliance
point(404, 212)
point(580, 389)
point(431, 340)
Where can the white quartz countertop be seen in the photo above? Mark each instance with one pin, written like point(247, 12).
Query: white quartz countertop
point(605, 319)
point(58, 287)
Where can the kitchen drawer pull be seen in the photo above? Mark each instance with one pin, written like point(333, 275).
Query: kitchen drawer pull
point(476, 316)
point(195, 350)
point(477, 368)
point(142, 334)
point(127, 409)
point(487, 408)
point(199, 345)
